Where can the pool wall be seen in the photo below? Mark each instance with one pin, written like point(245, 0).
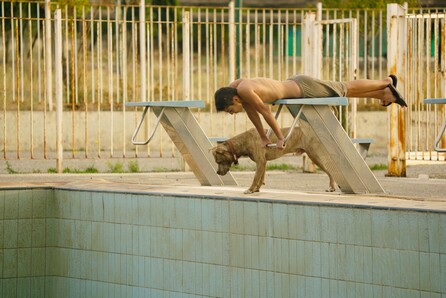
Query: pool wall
point(80, 243)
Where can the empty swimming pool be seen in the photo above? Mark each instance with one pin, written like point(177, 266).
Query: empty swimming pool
point(98, 239)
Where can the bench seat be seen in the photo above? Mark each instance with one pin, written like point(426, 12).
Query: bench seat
point(168, 104)
point(443, 128)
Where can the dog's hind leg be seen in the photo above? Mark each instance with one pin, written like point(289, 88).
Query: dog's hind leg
point(318, 162)
point(332, 183)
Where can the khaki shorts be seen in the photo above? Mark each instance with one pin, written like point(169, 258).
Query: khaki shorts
point(311, 87)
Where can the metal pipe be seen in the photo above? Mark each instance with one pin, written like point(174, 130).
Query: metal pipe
point(39, 54)
point(67, 58)
point(134, 40)
point(73, 65)
point(169, 56)
point(271, 45)
point(279, 47)
point(31, 97)
point(238, 40)
point(44, 99)
point(160, 57)
point(232, 42)
point(59, 95)
point(4, 82)
point(247, 46)
point(17, 86)
point(123, 61)
point(48, 56)
point(75, 59)
point(152, 57)
point(20, 36)
point(99, 84)
point(142, 47)
point(13, 56)
point(84, 81)
point(191, 56)
point(353, 70)
point(186, 56)
point(110, 76)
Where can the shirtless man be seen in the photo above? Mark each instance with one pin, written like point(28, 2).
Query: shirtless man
point(251, 94)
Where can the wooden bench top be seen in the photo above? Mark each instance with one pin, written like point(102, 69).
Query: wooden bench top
point(435, 100)
point(362, 141)
point(326, 101)
point(331, 101)
point(439, 137)
point(168, 104)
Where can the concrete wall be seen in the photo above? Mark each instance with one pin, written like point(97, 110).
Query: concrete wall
point(25, 242)
point(63, 243)
point(163, 154)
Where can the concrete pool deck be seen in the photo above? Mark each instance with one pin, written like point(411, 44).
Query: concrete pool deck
point(280, 185)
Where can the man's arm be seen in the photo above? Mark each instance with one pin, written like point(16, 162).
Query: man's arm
point(255, 119)
point(272, 122)
point(253, 104)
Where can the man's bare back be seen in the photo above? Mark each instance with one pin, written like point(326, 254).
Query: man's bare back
point(268, 90)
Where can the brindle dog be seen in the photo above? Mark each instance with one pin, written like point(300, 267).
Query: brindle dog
point(248, 144)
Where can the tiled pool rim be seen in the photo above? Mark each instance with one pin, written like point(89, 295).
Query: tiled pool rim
point(195, 245)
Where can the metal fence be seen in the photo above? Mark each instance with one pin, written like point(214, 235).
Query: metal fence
point(119, 53)
point(425, 78)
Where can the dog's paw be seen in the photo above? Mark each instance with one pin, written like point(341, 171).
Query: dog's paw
point(250, 191)
point(330, 189)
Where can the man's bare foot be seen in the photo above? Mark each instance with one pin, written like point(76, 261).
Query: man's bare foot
point(391, 79)
point(398, 97)
point(388, 97)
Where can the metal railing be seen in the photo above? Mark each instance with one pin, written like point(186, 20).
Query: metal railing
point(119, 53)
point(426, 77)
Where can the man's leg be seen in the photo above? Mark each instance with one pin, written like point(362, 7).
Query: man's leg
point(358, 87)
point(371, 89)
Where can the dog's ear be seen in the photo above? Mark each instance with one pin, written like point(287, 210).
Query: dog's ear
point(220, 150)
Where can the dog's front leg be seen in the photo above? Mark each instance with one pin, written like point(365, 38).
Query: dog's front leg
point(262, 180)
point(258, 177)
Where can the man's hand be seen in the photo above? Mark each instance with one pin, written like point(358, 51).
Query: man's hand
point(280, 144)
point(265, 142)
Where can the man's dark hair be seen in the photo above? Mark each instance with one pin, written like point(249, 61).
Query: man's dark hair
point(223, 97)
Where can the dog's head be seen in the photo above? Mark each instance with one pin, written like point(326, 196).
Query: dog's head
point(224, 158)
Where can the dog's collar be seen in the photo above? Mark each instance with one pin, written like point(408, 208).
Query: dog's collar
point(232, 151)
